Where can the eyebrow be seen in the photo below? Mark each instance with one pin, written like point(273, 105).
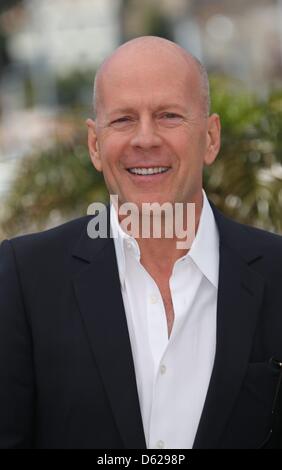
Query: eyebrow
point(161, 107)
point(121, 111)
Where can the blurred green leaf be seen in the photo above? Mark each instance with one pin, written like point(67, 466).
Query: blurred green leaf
point(245, 181)
point(53, 186)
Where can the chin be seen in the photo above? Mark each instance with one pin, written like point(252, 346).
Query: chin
point(138, 200)
point(151, 198)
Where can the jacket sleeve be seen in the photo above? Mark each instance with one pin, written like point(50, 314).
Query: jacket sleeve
point(16, 363)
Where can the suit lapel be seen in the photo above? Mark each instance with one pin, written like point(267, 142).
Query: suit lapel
point(100, 302)
point(240, 294)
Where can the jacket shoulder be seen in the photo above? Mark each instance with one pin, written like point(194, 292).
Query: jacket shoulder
point(260, 238)
point(249, 242)
point(55, 240)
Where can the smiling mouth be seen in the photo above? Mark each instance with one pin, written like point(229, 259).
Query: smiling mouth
point(148, 171)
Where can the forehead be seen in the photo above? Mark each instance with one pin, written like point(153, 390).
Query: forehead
point(150, 76)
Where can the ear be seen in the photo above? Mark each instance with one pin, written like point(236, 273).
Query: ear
point(93, 145)
point(213, 139)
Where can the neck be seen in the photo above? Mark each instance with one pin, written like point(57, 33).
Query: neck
point(158, 255)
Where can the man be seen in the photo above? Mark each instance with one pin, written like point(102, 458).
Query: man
point(132, 342)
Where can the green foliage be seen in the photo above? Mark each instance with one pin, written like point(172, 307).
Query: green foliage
point(75, 90)
point(245, 182)
point(51, 187)
point(156, 23)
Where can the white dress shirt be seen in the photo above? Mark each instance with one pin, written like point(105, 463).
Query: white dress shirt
point(172, 374)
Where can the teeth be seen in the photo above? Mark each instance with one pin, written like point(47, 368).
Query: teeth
point(148, 171)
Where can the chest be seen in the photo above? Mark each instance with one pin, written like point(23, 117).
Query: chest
point(165, 292)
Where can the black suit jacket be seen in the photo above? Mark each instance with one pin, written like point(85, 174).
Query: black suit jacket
point(66, 369)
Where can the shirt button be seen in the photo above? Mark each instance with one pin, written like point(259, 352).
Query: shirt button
point(160, 445)
point(163, 369)
point(153, 299)
point(128, 244)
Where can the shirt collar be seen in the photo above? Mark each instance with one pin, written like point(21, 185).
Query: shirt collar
point(204, 250)
point(123, 242)
point(205, 247)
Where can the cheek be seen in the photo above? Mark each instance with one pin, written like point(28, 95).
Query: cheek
point(110, 159)
point(111, 151)
point(190, 162)
point(191, 147)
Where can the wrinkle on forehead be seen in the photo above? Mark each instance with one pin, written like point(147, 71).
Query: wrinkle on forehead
point(155, 51)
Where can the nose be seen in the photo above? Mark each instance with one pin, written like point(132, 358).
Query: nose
point(145, 136)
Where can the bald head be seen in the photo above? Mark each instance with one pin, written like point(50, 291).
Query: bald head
point(157, 50)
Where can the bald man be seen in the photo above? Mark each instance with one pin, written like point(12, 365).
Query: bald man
point(127, 341)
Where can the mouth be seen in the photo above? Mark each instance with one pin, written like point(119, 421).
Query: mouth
point(150, 171)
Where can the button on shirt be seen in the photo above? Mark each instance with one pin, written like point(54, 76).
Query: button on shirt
point(172, 374)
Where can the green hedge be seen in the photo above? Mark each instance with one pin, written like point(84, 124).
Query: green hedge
point(245, 182)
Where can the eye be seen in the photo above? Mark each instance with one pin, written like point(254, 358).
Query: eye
point(170, 119)
point(171, 116)
point(122, 121)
